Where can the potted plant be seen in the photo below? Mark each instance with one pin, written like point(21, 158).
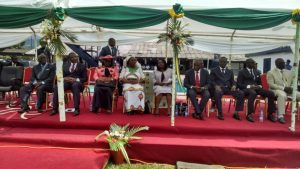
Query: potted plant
point(118, 137)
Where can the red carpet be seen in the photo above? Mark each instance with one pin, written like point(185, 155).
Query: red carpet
point(228, 142)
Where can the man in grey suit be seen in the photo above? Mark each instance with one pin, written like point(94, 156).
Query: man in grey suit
point(280, 82)
point(197, 82)
point(42, 80)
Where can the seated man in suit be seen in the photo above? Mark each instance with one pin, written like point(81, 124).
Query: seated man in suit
point(42, 80)
point(222, 82)
point(75, 75)
point(197, 82)
point(279, 80)
point(249, 82)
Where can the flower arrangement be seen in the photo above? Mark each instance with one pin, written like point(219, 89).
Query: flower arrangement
point(176, 35)
point(119, 136)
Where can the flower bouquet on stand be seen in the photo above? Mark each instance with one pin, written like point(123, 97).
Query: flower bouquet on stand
point(118, 138)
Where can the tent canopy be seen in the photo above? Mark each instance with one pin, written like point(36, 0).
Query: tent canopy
point(123, 16)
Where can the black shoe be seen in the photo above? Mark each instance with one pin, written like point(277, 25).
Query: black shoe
point(281, 120)
point(130, 113)
point(250, 118)
point(236, 116)
point(201, 117)
point(272, 118)
point(76, 112)
point(24, 109)
point(40, 110)
point(53, 112)
point(220, 116)
point(195, 116)
point(94, 110)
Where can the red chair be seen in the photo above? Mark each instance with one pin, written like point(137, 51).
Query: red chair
point(264, 81)
point(27, 75)
point(90, 81)
point(265, 86)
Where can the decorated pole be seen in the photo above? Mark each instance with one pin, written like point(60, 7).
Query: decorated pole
point(296, 20)
point(177, 38)
point(51, 31)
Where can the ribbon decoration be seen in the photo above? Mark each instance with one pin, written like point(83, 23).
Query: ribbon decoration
point(59, 14)
point(176, 11)
point(296, 16)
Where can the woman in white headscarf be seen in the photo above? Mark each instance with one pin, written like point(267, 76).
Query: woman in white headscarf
point(132, 77)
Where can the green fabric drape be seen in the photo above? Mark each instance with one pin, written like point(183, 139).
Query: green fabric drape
point(17, 17)
point(118, 17)
point(123, 17)
point(238, 18)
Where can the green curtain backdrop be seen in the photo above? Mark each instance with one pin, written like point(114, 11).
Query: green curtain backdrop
point(238, 18)
point(118, 17)
point(123, 17)
point(17, 17)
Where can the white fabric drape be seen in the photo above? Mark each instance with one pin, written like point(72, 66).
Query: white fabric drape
point(10, 39)
point(236, 46)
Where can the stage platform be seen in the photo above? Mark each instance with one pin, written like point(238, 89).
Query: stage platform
point(212, 141)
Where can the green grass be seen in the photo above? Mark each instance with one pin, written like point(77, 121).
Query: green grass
point(139, 166)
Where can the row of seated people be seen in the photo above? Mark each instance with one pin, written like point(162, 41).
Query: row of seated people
point(248, 86)
point(106, 76)
point(197, 81)
point(132, 78)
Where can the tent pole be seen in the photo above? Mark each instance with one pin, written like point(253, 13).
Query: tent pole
point(295, 77)
point(35, 44)
point(167, 30)
point(230, 55)
point(173, 92)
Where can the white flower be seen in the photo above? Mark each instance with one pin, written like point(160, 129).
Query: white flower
point(106, 132)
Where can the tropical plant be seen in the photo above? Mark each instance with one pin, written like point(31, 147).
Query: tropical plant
point(176, 35)
point(119, 136)
point(52, 33)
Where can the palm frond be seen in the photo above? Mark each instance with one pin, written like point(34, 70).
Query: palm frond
point(68, 35)
point(132, 131)
point(124, 152)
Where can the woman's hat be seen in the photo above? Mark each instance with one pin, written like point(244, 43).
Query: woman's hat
point(107, 57)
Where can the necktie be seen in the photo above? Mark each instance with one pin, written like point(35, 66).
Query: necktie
point(162, 78)
point(197, 79)
point(252, 74)
point(72, 67)
point(223, 70)
point(106, 72)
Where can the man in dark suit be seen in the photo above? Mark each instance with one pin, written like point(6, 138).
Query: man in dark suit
point(110, 49)
point(75, 75)
point(197, 82)
point(222, 82)
point(42, 80)
point(249, 82)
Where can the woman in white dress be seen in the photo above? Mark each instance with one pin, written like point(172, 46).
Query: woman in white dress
point(162, 84)
point(132, 77)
